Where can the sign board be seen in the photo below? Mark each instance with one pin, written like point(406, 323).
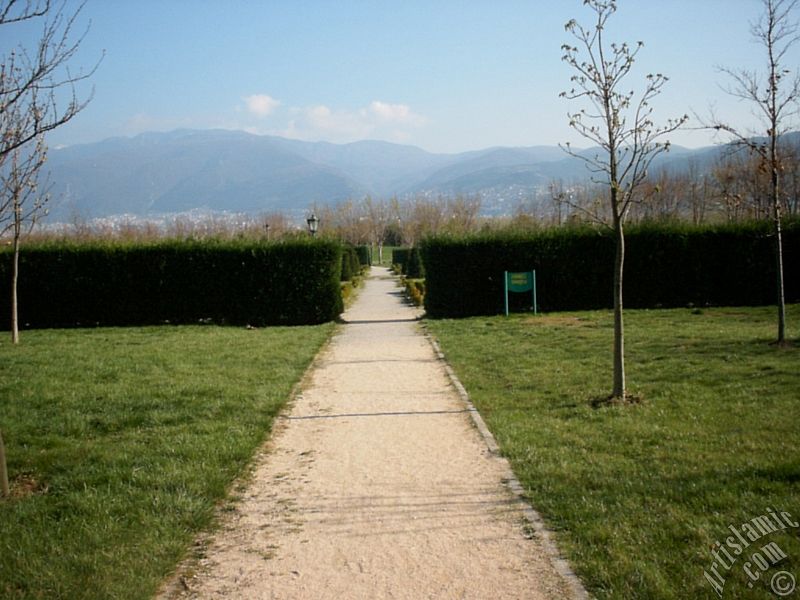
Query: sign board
point(520, 282)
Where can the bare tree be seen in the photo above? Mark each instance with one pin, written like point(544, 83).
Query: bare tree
point(623, 129)
point(378, 214)
point(462, 213)
point(791, 179)
point(428, 217)
point(775, 95)
point(698, 192)
point(559, 198)
point(32, 81)
point(21, 205)
point(346, 221)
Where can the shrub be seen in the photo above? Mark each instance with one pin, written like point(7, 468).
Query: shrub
point(415, 291)
point(669, 266)
point(364, 255)
point(236, 282)
point(399, 258)
point(413, 267)
point(351, 267)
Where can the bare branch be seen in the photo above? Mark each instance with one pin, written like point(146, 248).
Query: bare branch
point(775, 96)
point(13, 11)
point(592, 215)
point(624, 130)
point(29, 79)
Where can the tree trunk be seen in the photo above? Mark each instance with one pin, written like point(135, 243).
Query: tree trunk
point(619, 333)
point(14, 304)
point(779, 263)
point(5, 491)
point(15, 270)
point(776, 24)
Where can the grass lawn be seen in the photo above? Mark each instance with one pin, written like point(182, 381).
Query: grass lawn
point(387, 256)
point(639, 495)
point(121, 442)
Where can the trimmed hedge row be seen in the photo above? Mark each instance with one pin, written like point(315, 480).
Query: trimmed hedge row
point(238, 282)
point(364, 255)
point(665, 266)
point(400, 257)
point(414, 268)
point(351, 266)
point(410, 262)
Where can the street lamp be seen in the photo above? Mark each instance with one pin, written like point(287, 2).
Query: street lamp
point(313, 224)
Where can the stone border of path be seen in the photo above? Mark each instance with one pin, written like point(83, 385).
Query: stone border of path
point(515, 487)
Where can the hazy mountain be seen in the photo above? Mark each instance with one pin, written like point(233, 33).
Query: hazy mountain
point(239, 172)
point(488, 160)
point(383, 167)
point(179, 171)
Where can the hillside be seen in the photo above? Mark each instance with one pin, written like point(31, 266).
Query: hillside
point(216, 170)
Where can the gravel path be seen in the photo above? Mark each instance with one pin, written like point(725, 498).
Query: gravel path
point(376, 485)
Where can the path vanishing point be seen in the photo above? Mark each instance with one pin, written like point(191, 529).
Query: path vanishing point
point(376, 484)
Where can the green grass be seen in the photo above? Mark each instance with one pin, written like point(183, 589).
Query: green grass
point(122, 442)
point(638, 495)
point(387, 256)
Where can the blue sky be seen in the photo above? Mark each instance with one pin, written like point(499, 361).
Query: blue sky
point(447, 76)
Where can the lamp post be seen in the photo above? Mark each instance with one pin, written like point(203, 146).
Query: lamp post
point(313, 224)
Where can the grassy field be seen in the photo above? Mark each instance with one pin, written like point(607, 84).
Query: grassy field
point(640, 495)
point(121, 442)
point(387, 256)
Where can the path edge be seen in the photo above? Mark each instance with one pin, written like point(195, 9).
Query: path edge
point(175, 586)
point(560, 564)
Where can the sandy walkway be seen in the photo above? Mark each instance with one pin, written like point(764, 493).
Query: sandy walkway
point(376, 485)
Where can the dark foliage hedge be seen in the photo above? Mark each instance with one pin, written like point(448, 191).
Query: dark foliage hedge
point(410, 262)
point(400, 256)
point(236, 282)
point(665, 266)
point(364, 255)
point(351, 266)
point(413, 267)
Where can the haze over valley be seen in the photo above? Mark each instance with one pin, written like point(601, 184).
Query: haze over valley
point(237, 172)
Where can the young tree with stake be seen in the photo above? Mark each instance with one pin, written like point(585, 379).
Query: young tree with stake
point(625, 132)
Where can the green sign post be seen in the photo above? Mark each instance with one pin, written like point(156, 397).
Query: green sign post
point(524, 281)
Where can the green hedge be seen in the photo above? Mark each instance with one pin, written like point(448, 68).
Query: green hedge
point(364, 255)
point(410, 261)
point(400, 257)
point(237, 282)
point(351, 266)
point(664, 267)
point(413, 267)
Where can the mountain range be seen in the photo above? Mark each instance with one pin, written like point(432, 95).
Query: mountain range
point(234, 171)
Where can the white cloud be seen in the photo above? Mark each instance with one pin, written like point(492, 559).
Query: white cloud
point(377, 120)
point(320, 114)
point(260, 105)
point(400, 113)
point(339, 124)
